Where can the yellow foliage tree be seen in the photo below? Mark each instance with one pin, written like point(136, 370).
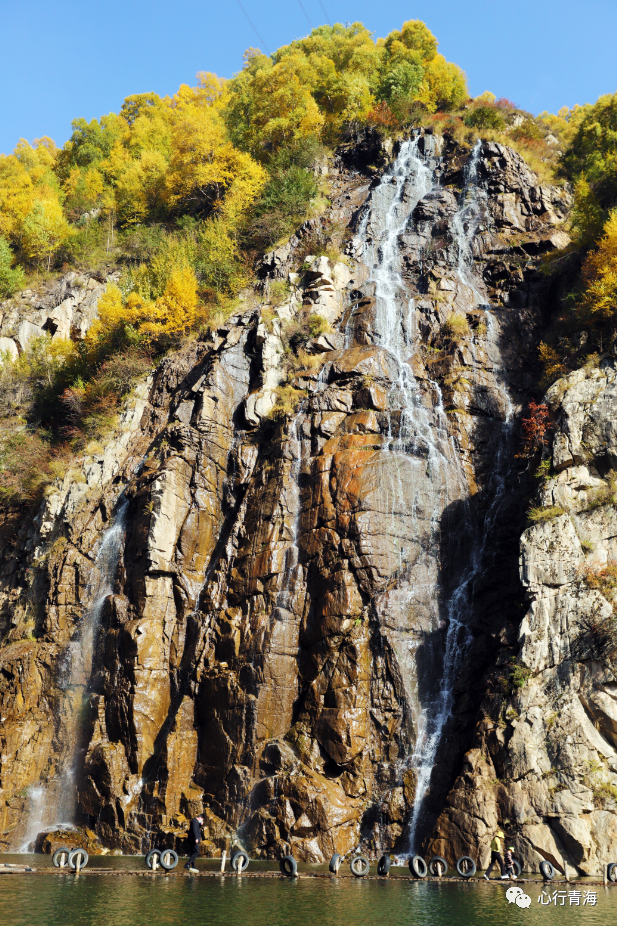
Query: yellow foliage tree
point(25, 176)
point(176, 308)
point(206, 173)
point(45, 229)
point(553, 366)
point(17, 196)
point(270, 105)
point(416, 37)
point(174, 312)
point(344, 64)
point(445, 85)
point(599, 276)
point(284, 110)
point(140, 187)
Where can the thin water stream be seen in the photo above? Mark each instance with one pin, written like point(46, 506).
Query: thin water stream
point(52, 805)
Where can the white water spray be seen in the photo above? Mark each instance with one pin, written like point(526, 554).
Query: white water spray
point(53, 806)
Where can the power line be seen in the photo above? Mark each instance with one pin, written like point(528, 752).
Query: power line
point(325, 13)
point(305, 13)
point(253, 27)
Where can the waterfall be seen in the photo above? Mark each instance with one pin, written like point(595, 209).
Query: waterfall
point(463, 229)
point(53, 806)
point(421, 439)
point(420, 473)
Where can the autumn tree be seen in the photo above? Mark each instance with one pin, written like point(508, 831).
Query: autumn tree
point(207, 174)
point(599, 277)
point(25, 176)
point(270, 104)
point(592, 151)
point(535, 429)
point(134, 318)
point(45, 229)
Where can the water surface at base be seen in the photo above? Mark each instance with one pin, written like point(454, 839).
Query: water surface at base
point(113, 900)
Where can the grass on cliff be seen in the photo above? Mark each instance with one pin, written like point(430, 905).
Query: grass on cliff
point(604, 580)
point(597, 778)
point(539, 514)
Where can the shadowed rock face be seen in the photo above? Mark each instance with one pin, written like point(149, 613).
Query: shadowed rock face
point(304, 606)
point(545, 759)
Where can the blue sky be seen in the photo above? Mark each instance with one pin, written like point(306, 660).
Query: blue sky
point(76, 58)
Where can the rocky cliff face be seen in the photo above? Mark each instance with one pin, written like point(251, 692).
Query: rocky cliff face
point(317, 553)
point(544, 759)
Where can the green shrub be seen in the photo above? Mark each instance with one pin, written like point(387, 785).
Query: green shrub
point(518, 673)
point(11, 278)
point(484, 117)
point(528, 131)
point(284, 204)
point(279, 292)
point(318, 325)
point(543, 471)
point(286, 198)
point(142, 243)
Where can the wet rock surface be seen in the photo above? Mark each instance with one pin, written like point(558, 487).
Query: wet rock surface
point(305, 602)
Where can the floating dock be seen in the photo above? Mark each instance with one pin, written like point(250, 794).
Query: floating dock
point(327, 876)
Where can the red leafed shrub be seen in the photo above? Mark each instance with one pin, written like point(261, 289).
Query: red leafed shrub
point(534, 429)
point(504, 103)
point(382, 115)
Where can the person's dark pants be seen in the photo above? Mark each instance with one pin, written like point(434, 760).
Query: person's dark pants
point(495, 857)
point(194, 850)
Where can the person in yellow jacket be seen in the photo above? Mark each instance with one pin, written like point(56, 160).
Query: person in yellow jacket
point(496, 856)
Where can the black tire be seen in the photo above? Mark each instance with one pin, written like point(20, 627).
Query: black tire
point(240, 861)
point(383, 866)
point(335, 863)
point(418, 867)
point(152, 854)
point(360, 866)
point(611, 871)
point(433, 868)
point(547, 871)
point(288, 866)
point(60, 858)
point(517, 868)
point(466, 867)
point(74, 854)
point(169, 859)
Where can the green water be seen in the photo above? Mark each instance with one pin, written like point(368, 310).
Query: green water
point(112, 900)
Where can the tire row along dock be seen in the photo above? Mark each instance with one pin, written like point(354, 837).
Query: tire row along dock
point(326, 876)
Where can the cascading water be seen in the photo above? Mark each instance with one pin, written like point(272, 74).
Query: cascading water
point(421, 438)
point(420, 472)
point(463, 228)
point(54, 806)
